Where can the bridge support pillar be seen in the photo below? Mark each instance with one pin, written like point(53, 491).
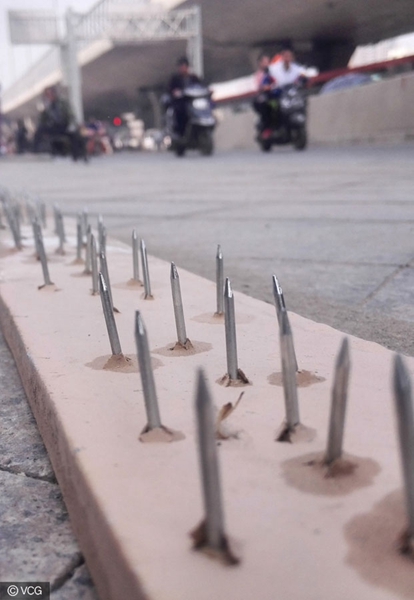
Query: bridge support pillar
point(71, 69)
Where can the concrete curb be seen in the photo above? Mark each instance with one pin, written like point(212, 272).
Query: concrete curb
point(133, 505)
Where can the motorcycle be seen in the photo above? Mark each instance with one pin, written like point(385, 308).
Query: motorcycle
point(198, 133)
point(288, 120)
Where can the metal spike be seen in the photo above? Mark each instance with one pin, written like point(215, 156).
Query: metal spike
point(55, 217)
point(278, 297)
point(230, 327)
point(147, 375)
point(35, 223)
point(41, 251)
point(405, 420)
point(135, 259)
point(145, 271)
point(280, 305)
point(288, 372)
point(219, 281)
point(42, 214)
point(60, 232)
point(102, 243)
point(88, 266)
point(109, 317)
point(79, 238)
point(13, 226)
point(209, 466)
point(104, 269)
point(85, 214)
point(178, 305)
point(338, 404)
point(94, 264)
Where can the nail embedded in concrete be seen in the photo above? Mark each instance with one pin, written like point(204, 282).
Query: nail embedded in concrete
point(13, 225)
point(102, 246)
point(147, 375)
point(145, 271)
point(103, 264)
point(280, 305)
point(109, 317)
point(288, 372)
point(42, 254)
point(219, 281)
point(43, 215)
point(405, 423)
point(79, 239)
point(338, 405)
point(178, 306)
point(55, 218)
point(85, 214)
point(88, 266)
point(94, 264)
point(135, 258)
point(60, 232)
point(210, 477)
point(230, 327)
point(35, 223)
point(278, 297)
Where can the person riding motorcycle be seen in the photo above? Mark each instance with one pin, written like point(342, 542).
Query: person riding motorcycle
point(182, 79)
point(265, 83)
point(282, 71)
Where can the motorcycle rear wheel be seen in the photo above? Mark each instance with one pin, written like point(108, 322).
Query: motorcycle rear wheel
point(301, 139)
point(205, 140)
point(266, 145)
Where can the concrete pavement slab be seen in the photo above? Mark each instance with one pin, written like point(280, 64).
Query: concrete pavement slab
point(133, 517)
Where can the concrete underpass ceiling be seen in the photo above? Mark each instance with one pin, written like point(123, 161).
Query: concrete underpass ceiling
point(234, 32)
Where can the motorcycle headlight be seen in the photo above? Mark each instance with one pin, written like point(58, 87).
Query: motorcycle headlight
point(201, 103)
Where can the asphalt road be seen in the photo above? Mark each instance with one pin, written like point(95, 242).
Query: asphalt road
point(335, 224)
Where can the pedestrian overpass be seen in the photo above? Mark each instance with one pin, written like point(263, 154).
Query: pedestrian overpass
point(324, 32)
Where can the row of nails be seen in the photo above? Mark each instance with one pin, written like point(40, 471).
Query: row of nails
point(214, 535)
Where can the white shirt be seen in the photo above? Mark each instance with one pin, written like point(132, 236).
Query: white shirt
point(285, 76)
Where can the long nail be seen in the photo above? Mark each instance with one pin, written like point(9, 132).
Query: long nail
point(43, 216)
point(102, 241)
point(288, 372)
point(280, 305)
point(209, 465)
point(60, 232)
point(79, 238)
point(35, 224)
point(88, 266)
point(135, 260)
point(405, 420)
point(55, 217)
point(100, 229)
point(145, 271)
point(42, 254)
point(230, 327)
point(178, 305)
point(109, 316)
point(338, 405)
point(94, 264)
point(14, 228)
point(219, 281)
point(278, 297)
point(103, 264)
point(85, 215)
point(147, 375)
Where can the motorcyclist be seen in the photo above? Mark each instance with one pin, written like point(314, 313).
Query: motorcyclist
point(55, 118)
point(285, 70)
point(265, 83)
point(182, 79)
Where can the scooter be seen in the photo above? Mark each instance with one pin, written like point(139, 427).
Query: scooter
point(288, 120)
point(198, 134)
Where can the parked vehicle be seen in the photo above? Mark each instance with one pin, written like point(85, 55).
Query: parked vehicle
point(288, 120)
point(198, 134)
